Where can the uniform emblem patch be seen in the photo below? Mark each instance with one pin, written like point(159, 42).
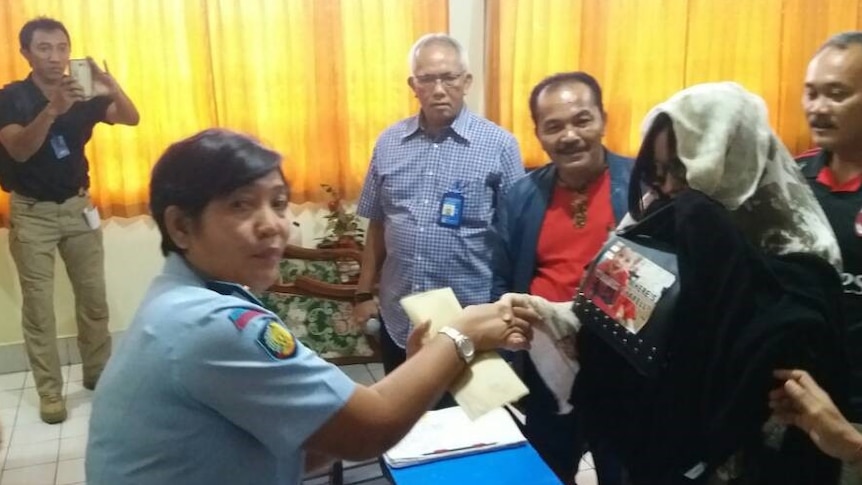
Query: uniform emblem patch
point(277, 341)
point(859, 223)
point(241, 316)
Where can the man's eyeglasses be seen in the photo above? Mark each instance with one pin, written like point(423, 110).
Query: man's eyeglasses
point(448, 79)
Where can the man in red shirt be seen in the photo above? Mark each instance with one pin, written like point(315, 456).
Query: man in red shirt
point(550, 226)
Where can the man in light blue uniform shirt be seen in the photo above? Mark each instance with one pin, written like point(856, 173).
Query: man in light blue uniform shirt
point(204, 351)
point(431, 191)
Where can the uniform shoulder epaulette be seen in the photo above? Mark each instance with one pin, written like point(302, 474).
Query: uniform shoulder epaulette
point(231, 289)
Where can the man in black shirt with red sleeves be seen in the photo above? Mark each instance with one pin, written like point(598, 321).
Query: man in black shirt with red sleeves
point(45, 122)
point(833, 108)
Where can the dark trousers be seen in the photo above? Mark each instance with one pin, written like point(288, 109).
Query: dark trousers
point(559, 439)
point(393, 355)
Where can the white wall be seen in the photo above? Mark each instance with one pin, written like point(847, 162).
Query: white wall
point(132, 258)
point(467, 24)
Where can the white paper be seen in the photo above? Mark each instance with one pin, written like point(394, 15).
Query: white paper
point(489, 382)
point(91, 216)
point(555, 367)
point(450, 432)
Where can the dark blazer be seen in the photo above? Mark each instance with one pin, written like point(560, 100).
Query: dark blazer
point(520, 217)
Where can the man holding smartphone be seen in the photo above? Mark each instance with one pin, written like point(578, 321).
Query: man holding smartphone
point(45, 122)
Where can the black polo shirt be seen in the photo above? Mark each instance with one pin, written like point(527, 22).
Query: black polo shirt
point(842, 208)
point(52, 173)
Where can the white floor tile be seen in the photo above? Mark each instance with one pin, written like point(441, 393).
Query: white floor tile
point(34, 433)
point(4, 450)
point(28, 411)
point(376, 370)
point(21, 456)
point(358, 373)
point(70, 471)
point(76, 427)
point(30, 396)
point(7, 421)
point(10, 399)
point(75, 390)
point(79, 406)
point(33, 475)
point(73, 448)
point(75, 373)
point(12, 381)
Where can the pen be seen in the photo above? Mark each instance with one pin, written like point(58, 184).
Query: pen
point(462, 448)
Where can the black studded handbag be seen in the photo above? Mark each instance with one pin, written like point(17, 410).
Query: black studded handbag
point(628, 297)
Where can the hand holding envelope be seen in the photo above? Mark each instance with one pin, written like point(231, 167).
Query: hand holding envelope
point(489, 382)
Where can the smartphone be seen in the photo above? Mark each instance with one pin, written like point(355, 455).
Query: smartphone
point(81, 71)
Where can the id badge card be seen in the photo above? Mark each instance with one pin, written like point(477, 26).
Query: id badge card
point(61, 150)
point(451, 209)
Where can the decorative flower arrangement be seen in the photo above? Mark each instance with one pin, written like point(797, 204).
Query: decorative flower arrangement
point(342, 226)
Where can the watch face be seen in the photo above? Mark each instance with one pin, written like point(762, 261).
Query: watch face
point(467, 348)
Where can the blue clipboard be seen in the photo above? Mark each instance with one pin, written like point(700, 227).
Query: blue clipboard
point(509, 466)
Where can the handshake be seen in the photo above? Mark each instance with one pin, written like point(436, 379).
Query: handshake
point(506, 324)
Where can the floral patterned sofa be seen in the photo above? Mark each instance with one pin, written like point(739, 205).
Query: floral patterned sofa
point(314, 298)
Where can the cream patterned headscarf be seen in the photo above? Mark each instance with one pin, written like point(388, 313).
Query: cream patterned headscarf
point(732, 155)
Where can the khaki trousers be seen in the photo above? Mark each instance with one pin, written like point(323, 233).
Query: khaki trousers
point(38, 229)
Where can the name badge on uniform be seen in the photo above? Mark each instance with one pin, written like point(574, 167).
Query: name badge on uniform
point(58, 143)
point(452, 208)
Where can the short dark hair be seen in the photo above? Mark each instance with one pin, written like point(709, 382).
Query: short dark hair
point(645, 162)
point(560, 79)
point(209, 165)
point(843, 40)
point(25, 36)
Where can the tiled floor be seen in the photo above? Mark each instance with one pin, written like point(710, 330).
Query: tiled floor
point(35, 453)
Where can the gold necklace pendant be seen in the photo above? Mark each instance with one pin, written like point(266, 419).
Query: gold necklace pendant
point(579, 210)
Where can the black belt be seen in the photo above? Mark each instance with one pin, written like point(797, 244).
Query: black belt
point(82, 192)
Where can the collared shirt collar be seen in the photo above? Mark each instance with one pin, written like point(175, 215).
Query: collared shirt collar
point(818, 169)
point(458, 126)
point(176, 265)
point(34, 89)
point(812, 167)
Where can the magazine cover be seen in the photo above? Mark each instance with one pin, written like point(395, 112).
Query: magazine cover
point(627, 286)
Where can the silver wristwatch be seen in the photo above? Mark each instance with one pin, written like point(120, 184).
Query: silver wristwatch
point(463, 344)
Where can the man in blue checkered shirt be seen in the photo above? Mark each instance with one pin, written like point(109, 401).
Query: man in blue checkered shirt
point(430, 194)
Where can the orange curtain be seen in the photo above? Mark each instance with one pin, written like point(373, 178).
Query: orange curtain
point(317, 80)
point(642, 51)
